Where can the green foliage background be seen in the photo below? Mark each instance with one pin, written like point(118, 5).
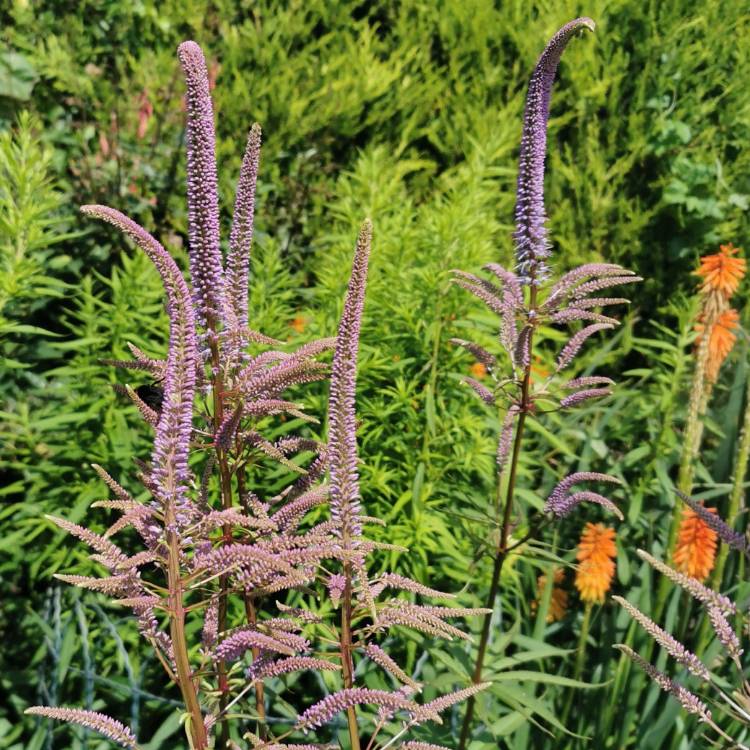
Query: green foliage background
point(409, 113)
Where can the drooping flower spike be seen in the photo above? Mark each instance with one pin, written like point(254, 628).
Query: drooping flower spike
point(561, 501)
point(692, 585)
point(171, 442)
point(103, 725)
point(532, 245)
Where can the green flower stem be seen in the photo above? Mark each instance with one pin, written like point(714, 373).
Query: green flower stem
point(196, 728)
point(347, 664)
point(501, 553)
point(225, 482)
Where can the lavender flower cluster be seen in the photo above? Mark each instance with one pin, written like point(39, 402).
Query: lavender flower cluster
point(571, 299)
point(207, 539)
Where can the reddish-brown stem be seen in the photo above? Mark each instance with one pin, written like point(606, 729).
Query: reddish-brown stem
point(225, 481)
point(251, 612)
point(260, 705)
point(347, 664)
point(501, 553)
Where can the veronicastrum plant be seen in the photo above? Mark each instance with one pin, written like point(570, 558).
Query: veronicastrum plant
point(216, 558)
point(528, 299)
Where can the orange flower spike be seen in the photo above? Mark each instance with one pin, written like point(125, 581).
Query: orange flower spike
point(721, 272)
point(298, 324)
point(721, 341)
point(478, 371)
point(559, 600)
point(596, 552)
point(695, 550)
point(539, 371)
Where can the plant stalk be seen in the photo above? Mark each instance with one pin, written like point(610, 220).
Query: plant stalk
point(347, 664)
point(179, 642)
point(501, 552)
point(225, 481)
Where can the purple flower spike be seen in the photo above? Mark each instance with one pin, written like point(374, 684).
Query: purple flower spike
point(532, 246)
point(241, 236)
point(689, 701)
point(170, 456)
point(672, 646)
point(561, 501)
point(104, 725)
point(206, 270)
point(342, 441)
point(324, 710)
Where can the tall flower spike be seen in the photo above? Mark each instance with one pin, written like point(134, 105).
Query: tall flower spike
point(695, 549)
point(206, 270)
point(597, 551)
point(721, 272)
point(532, 246)
point(241, 236)
point(171, 442)
point(342, 441)
point(721, 339)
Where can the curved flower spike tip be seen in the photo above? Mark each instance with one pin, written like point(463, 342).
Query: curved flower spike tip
point(532, 247)
point(171, 442)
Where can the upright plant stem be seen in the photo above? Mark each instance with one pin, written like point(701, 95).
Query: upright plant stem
point(501, 553)
point(179, 642)
point(347, 664)
point(225, 481)
point(260, 704)
point(251, 613)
